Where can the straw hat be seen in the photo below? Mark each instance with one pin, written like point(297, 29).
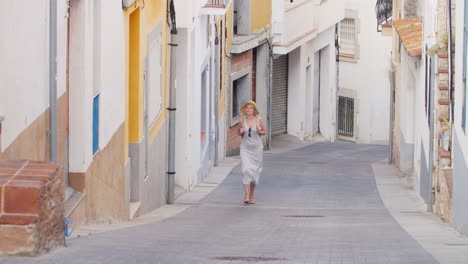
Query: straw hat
point(252, 103)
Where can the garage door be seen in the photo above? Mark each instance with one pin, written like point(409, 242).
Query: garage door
point(279, 118)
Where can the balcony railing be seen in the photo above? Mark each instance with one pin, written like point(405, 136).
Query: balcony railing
point(383, 10)
point(218, 3)
point(216, 7)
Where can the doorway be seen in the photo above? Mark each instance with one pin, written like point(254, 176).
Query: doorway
point(279, 122)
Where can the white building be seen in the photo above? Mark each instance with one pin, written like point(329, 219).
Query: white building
point(24, 95)
point(364, 83)
point(304, 88)
point(460, 135)
point(413, 72)
point(197, 86)
point(428, 138)
point(90, 104)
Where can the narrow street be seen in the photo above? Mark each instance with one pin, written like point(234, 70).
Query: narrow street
point(316, 204)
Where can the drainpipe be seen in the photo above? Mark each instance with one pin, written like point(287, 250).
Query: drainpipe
point(450, 77)
point(172, 108)
point(270, 94)
point(217, 85)
point(337, 55)
point(53, 80)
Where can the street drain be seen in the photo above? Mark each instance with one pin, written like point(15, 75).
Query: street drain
point(248, 259)
point(303, 216)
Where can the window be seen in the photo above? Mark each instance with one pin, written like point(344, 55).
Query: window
point(240, 95)
point(348, 38)
point(96, 124)
point(235, 100)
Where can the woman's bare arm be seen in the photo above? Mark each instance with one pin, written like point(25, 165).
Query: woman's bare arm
point(240, 127)
point(261, 127)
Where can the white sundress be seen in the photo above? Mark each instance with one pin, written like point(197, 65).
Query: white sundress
point(251, 153)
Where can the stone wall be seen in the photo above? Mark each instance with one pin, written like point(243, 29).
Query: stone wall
point(31, 207)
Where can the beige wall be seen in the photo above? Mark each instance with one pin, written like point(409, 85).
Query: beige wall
point(33, 142)
point(104, 185)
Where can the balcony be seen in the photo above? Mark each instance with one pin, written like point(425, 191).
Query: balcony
point(216, 7)
point(251, 24)
point(298, 21)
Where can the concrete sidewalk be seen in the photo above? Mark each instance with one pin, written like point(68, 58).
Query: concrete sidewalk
point(409, 210)
point(183, 201)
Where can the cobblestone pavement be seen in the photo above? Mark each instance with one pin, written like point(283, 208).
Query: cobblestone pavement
point(318, 204)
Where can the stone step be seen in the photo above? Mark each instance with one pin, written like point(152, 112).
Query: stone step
point(134, 209)
point(444, 154)
point(31, 207)
point(442, 54)
point(72, 201)
point(448, 174)
point(443, 116)
point(443, 85)
point(443, 101)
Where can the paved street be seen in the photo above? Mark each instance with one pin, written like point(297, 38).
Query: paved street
point(317, 204)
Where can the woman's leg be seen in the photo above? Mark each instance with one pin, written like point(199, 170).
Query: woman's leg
point(247, 193)
point(252, 190)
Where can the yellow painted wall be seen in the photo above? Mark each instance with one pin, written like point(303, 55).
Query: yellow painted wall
point(230, 30)
point(135, 93)
point(260, 14)
point(151, 13)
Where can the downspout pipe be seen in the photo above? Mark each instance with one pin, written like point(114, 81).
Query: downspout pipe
point(337, 55)
point(172, 108)
point(53, 80)
point(450, 77)
point(270, 94)
point(217, 85)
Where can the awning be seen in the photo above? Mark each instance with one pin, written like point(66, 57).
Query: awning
point(410, 32)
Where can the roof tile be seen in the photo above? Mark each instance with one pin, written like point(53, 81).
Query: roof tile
point(410, 32)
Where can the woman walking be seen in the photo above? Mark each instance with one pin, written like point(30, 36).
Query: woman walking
point(251, 127)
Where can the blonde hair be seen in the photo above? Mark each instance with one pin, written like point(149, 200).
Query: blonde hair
point(253, 104)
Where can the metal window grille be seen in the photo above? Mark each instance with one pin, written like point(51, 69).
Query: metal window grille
point(346, 116)
point(348, 36)
point(217, 2)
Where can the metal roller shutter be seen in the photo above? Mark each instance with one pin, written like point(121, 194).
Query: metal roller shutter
point(280, 96)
